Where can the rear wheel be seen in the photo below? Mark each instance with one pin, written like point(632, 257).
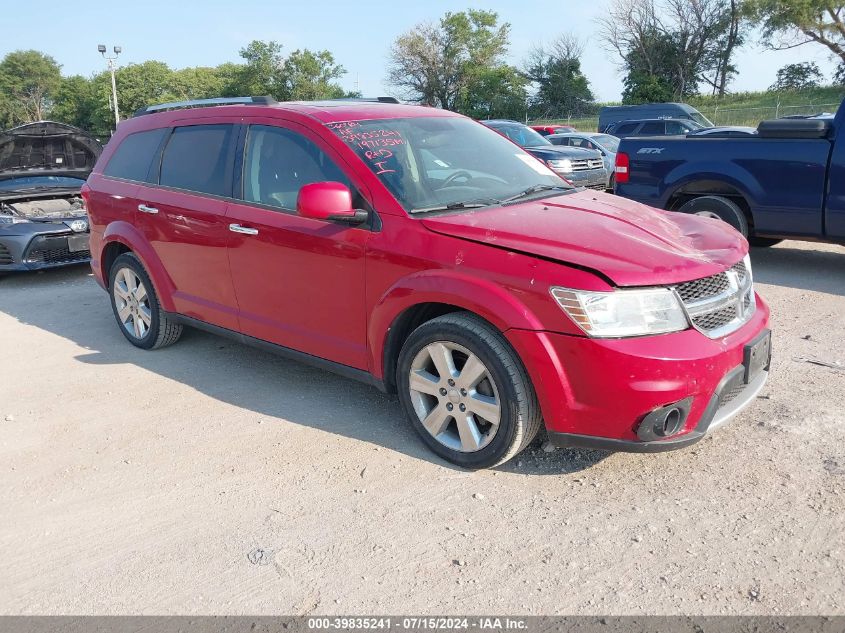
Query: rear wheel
point(136, 306)
point(718, 208)
point(466, 391)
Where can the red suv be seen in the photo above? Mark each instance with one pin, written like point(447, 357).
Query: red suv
point(421, 252)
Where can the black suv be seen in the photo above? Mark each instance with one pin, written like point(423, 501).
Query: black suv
point(653, 127)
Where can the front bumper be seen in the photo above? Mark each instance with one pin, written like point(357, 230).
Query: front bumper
point(597, 392)
point(591, 178)
point(39, 246)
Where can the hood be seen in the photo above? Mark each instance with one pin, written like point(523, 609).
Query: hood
point(562, 151)
point(47, 148)
point(627, 242)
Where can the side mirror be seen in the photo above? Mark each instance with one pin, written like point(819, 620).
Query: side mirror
point(331, 201)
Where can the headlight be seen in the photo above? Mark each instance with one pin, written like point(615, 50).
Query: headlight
point(563, 165)
point(623, 312)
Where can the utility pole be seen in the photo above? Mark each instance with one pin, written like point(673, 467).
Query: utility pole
point(117, 50)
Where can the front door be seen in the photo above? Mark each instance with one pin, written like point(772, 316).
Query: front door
point(299, 282)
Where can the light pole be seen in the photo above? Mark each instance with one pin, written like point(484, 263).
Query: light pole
point(117, 49)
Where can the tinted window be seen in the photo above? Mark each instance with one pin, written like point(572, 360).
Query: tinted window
point(199, 158)
point(653, 128)
point(279, 162)
point(134, 156)
point(626, 128)
point(675, 127)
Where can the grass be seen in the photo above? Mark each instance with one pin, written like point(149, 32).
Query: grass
point(746, 108)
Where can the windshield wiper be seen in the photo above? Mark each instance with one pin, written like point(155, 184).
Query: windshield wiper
point(469, 204)
point(535, 189)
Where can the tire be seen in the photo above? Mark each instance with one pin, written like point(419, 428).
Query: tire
point(718, 207)
point(763, 242)
point(138, 312)
point(611, 183)
point(499, 385)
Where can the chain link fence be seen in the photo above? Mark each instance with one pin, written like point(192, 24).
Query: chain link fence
point(718, 115)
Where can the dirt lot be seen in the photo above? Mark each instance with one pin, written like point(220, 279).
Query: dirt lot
point(214, 478)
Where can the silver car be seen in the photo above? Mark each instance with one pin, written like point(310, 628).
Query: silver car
point(607, 144)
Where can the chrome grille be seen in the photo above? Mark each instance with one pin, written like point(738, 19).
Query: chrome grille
point(719, 304)
point(585, 164)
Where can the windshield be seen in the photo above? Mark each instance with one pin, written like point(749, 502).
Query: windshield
point(25, 182)
point(700, 119)
point(522, 135)
point(610, 143)
point(432, 163)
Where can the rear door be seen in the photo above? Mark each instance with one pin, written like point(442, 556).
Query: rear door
point(182, 217)
point(299, 281)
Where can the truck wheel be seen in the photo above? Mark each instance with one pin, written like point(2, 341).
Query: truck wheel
point(719, 208)
point(466, 391)
point(763, 242)
point(136, 306)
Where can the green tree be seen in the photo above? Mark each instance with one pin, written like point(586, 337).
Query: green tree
point(651, 72)
point(261, 74)
point(311, 75)
point(200, 82)
point(438, 64)
point(562, 89)
point(680, 42)
point(75, 102)
point(498, 92)
point(798, 77)
point(28, 83)
point(790, 23)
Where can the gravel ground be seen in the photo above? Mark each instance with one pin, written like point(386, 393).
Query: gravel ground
point(213, 478)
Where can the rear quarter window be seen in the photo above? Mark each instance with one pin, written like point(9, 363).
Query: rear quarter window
point(626, 128)
point(653, 128)
point(199, 158)
point(135, 155)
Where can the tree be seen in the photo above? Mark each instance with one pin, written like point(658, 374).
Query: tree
point(309, 75)
point(790, 23)
point(562, 89)
point(261, 74)
point(797, 77)
point(75, 103)
point(497, 92)
point(438, 64)
point(28, 83)
point(679, 42)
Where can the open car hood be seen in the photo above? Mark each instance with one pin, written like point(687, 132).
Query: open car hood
point(627, 242)
point(47, 148)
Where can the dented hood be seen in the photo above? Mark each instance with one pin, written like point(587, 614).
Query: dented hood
point(627, 242)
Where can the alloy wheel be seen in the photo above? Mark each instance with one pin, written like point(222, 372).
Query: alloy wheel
point(132, 303)
point(455, 397)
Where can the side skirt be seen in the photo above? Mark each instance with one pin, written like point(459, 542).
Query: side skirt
point(315, 361)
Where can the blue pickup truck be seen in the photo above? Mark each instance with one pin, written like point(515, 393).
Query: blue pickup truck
point(787, 181)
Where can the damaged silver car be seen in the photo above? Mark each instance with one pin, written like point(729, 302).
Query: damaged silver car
point(43, 223)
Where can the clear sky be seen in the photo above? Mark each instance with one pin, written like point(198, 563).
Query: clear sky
point(206, 33)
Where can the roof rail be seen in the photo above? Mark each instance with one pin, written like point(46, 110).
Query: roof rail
point(369, 99)
point(205, 103)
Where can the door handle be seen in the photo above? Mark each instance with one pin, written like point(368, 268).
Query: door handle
point(145, 209)
point(237, 228)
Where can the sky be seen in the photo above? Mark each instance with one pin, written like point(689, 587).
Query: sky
point(206, 33)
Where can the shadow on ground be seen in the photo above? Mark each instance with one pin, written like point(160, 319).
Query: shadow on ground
point(801, 268)
point(252, 379)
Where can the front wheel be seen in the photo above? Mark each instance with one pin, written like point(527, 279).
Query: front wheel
point(136, 306)
point(718, 208)
point(466, 391)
